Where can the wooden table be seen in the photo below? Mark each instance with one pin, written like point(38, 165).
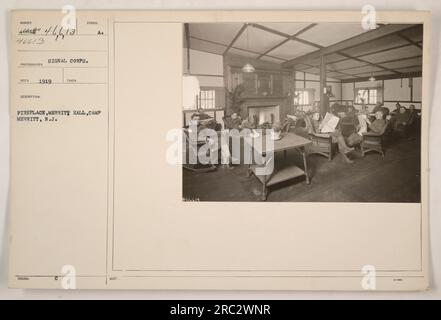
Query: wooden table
point(285, 171)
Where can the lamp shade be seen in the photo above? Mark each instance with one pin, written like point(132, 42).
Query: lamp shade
point(190, 91)
point(248, 68)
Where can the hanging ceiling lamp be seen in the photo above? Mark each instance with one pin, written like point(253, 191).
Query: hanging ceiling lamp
point(372, 79)
point(248, 67)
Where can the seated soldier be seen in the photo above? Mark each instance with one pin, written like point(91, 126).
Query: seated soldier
point(377, 126)
point(233, 121)
point(380, 107)
point(351, 112)
point(397, 108)
point(402, 119)
point(339, 110)
point(337, 136)
point(351, 115)
point(349, 122)
point(413, 115)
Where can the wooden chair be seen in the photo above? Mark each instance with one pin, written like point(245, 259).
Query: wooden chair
point(194, 149)
point(322, 144)
point(374, 141)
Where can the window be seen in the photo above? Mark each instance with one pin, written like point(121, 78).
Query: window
point(373, 96)
point(303, 97)
point(366, 96)
point(207, 99)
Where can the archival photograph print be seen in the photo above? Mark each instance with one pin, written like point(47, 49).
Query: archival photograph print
point(302, 112)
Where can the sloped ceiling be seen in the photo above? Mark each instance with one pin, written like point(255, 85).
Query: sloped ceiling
point(396, 53)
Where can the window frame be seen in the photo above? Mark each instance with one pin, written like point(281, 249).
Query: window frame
point(310, 93)
point(211, 101)
point(369, 90)
point(216, 91)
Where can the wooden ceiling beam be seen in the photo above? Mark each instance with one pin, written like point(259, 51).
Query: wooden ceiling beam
point(273, 48)
point(244, 50)
point(287, 39)
point(270, 30)
point(369, 63)
point(375, 34)
point(381, 62)
point(238, 34)
point(386, 77)
point(310, 26)
point(342, 73)
point(401, 59)
point(416, 44)
point(414, 66)
point(373, 52)
point(293, 37)
point(360, 73)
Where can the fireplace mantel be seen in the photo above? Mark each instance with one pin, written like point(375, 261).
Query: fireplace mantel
point(264, 98)
point(263, 102)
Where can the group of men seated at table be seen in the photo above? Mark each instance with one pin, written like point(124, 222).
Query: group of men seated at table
point(351, 124)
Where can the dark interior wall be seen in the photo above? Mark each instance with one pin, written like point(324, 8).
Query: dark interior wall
point(283, 99)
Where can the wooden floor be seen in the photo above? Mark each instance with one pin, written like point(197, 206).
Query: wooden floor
point(396, 178)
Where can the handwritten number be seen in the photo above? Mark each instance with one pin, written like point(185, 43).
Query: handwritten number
point(45, 81)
